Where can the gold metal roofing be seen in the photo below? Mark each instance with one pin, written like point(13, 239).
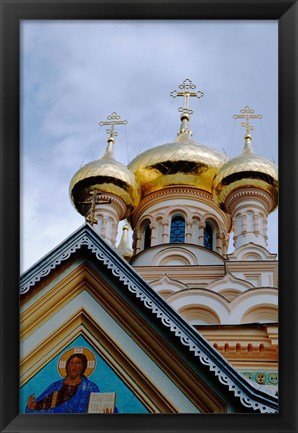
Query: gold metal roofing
point(107, 175)
point(183, 162)
point(245, 170)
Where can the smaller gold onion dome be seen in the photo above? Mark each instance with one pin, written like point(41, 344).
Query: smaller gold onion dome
point(183, 162)
point(246, 170)
point(104, 175)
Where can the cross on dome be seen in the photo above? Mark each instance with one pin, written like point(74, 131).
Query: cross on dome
point(247, 113)
point(95, 199)
point(113, 119)
point(187, 86)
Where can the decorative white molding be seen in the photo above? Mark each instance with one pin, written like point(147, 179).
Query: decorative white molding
point(184, 191)
point(229, 281)
point(245, 193)
point(167, 283)
point(174, 257)
point(251, 252)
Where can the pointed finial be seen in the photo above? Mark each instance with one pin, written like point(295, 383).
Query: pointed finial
point(113, 119)
point(247, 144)
point(186, 91)
point(124, 248)
point(247, 113)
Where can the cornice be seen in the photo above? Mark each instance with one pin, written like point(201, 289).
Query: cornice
point(184, 191)
point(118, 203)
point(252, 266)
point(240, 195)
point(176, 192)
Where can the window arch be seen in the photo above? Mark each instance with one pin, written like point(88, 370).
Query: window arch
point(208, 236)
point(146, 235)
point(264, 313)
point(177, 233)
point(200, 315)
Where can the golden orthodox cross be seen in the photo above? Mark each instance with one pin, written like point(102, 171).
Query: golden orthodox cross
point(113, 119)
point(94, 201)
point(247, 113)
point(186, 91)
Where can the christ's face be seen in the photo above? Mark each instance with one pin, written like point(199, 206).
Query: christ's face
point(74, 368)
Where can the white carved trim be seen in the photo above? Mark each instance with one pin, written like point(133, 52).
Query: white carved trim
point(117, 202)
point(245, 253)
point(177, 192)
point(237, 196)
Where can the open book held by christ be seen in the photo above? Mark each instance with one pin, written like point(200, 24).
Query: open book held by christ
point(102, 402)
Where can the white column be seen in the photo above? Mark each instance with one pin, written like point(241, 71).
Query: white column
point(108, 216)
point(188, 231)
point(218, 243)
point(165, 232)
point(202, 226)
point(137, 241)
point(153, 234)
point(249, 208)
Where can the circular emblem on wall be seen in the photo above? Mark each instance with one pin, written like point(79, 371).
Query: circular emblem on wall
point(261, 378)
point(273, 378)
point(91, 360)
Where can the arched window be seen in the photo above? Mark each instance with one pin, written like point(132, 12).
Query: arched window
point(208, 236)
point(147, 235)
point(177, 234)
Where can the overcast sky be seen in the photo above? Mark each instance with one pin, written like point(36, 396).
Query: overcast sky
point(76, 73)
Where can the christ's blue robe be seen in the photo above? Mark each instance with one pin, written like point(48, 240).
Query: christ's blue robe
point(77, 404)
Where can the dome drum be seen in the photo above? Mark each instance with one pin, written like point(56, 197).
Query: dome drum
point(249, 194)
point(247, 180)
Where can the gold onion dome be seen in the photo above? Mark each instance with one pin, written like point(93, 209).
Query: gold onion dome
point(104, 175)
point(247, 170)
point(183, 162)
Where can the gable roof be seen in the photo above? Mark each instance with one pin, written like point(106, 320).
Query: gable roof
point(251, 395)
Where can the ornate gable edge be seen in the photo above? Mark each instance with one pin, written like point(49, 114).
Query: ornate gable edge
point(229, 278)
point(251, 252)
point(249, 394)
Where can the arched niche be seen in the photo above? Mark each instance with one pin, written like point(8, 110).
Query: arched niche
point(199, 315)
point(264, 313)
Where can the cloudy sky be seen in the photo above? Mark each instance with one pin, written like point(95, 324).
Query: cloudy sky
point(75, 73)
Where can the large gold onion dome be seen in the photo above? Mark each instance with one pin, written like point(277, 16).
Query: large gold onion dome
point(105, 175)
point(247, 170)
point(183, 162)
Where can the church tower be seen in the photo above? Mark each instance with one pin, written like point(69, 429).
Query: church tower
point(105, 191)
point(247, 188)
point(177, 206)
